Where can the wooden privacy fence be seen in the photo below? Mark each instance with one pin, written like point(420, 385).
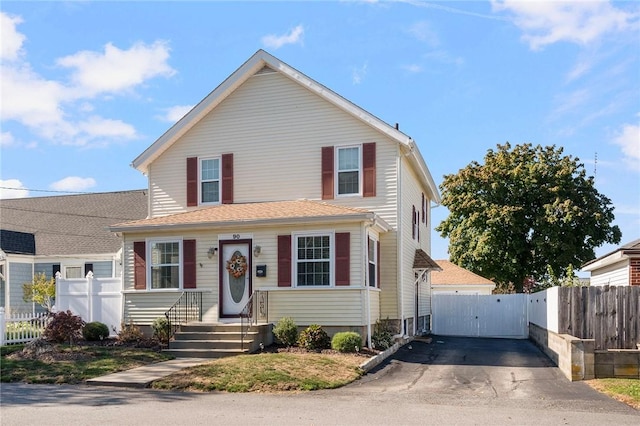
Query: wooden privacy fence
point(608, 314)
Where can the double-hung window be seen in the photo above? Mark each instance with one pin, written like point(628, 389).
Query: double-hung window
point(209, 180)
point(372, 255)
point(312, 259)
point(165, 264)
point(348, 170)
point(71, 272)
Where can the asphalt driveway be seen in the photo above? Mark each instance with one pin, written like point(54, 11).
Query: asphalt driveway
point(477, 371)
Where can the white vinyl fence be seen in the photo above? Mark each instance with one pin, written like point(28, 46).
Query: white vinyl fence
point(21, 327)
point(93, 299)
point(501, 315)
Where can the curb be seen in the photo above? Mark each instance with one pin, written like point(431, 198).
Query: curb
point(377, 360)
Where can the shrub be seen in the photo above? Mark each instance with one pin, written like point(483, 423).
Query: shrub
point(346, 341)
point(286, 331)
point(96, 330)
point(382, 337)
point(160, 328)
point(314, 338)
point(63, 327)
point(130, 333)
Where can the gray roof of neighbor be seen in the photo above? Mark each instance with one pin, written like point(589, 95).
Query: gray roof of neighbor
point(632, 247)
point(73, 224)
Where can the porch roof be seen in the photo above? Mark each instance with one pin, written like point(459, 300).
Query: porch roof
point(423, 261)
point(266, 213)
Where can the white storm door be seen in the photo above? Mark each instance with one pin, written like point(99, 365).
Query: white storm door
point(235, 283)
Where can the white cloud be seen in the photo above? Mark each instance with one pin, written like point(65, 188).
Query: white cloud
point(59, 111)
point(548, 22)
point(293, 37)
point(73, 184)
point(358, 74)
point(175, 113)
point(6, 139)
point(117, 70)
point(628, 139)
point(12, 188)
point(412, 68)
point(12, 40)
point(423, 32)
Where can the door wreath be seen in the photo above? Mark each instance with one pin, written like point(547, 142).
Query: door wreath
point(237, 265)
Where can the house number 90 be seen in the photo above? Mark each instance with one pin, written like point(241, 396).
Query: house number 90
point(236, 236)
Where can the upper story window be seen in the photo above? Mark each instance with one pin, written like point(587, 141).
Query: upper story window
point(372, 255)
point(165, 264)
point(312, 259)
point(209, 180)
point(348, 170)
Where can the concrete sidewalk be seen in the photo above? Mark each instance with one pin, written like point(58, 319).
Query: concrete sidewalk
point(141, 377)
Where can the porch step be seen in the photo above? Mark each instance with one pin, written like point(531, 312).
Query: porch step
point(197, 340)
point(203, 353)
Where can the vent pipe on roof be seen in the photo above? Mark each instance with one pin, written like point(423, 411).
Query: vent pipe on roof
point(397, 126)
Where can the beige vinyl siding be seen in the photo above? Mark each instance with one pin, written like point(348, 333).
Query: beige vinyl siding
point(615, 274)
point(389, 275)
point(412, 196)
point(143, 306)
point(275, 129)
point(326, 307)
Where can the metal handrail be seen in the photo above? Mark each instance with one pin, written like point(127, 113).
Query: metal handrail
point(257, 308)
point(187, 308)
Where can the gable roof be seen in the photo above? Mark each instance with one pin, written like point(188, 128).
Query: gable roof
point(265, 213)
point(452, 274)
point(629, 249)
point(73, 224)
point(255, 64)
point(17, 242)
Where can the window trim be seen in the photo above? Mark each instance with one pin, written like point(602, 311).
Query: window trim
point(338, 171)
point(201, 181)
point(149, 262)
point(294, 257)
point(372, 241)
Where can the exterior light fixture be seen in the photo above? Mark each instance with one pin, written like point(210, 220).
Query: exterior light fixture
point(212, 252)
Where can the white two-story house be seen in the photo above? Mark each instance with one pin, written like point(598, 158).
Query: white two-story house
point(275, 184)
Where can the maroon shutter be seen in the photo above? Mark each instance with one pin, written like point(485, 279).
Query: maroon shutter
point(284, 260)
point(413, 222)
point(139, 265)
point(189, 263)
point(378, 264)
point(369, 169)
point(424, 209)
point(343, 261)
point(227, 178)
point(192, 181)
point(327, 172)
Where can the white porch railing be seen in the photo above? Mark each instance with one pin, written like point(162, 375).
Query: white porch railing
point(21, 328)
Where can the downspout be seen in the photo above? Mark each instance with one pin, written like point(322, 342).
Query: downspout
point(400, 272)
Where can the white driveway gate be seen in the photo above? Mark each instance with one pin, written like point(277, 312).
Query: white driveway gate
point(503, 315)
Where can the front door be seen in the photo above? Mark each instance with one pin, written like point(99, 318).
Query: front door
point(235, 277)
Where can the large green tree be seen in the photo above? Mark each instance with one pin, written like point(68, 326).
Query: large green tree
point(525, 209)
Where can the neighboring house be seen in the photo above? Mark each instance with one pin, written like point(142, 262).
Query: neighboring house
point(275, 183)
point(67, 234)
point(453, 279)
point(620, 267)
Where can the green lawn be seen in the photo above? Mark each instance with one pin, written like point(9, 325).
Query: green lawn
point(73, 364)
point(625, 390)
point(267, 372)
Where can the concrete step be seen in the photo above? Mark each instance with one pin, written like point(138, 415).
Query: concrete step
point(204, 353)
point(211, 335)
point(211, 344)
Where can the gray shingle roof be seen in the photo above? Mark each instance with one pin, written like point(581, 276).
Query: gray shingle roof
point(73, 224)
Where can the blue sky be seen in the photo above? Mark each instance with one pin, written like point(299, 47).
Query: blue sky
point(87, 86)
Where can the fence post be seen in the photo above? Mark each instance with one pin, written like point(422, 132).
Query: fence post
point(89, 278)
point(3, 327)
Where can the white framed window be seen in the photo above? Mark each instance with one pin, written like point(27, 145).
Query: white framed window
point(73, 272)
point(372, 259)
point(313, 259)
point(210, 182)
point(349, 170)
point(165, 264)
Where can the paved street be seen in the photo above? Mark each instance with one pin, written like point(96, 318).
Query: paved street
point(450, 381)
